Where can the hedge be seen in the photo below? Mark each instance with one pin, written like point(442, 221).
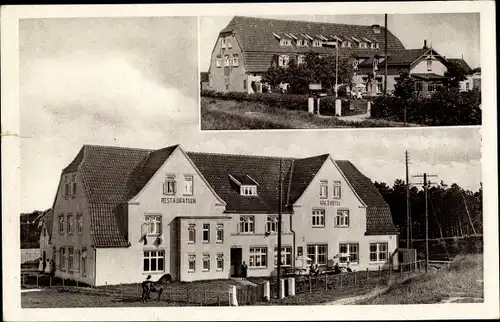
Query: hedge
point(278, 100)
point(442, 108)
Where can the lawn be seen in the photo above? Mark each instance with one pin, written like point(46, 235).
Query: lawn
point(129, 295)
point(462, 282)
point(219, 114)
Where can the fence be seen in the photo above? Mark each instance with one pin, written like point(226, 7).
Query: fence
point(356, 279)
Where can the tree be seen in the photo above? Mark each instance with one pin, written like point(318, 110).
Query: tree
point(275, 75)
point(404, 86)
point(455, 74)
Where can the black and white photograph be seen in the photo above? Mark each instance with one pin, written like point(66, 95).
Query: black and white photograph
point(203, 162)
point(355, 71)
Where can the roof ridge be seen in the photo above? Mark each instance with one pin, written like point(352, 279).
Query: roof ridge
point(305, 21)
point(242, 155)
point(116, 147)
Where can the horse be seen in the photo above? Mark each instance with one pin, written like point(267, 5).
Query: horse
point(158, 286)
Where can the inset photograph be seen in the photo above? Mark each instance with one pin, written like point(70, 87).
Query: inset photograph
point(337, 71)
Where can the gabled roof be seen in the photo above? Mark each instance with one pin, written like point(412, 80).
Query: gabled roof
point(462, 63)
point(111, 176)
point(256, 35)
point(398, 57)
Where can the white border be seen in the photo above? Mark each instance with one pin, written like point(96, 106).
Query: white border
point(11, 172)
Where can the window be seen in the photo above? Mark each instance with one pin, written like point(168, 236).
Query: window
point(247, 224)
point(218, 62)
point(363, 45)
point(154, 261)
point(342, 219)
point(429, 65)
point(192, 263)
point(71, 224)
point(431, 87)
point(70, 259)
point(188, 185)
point(223, 42)
point(348, 44)
point(344, 44)
point(62, 258)
point(206, 262)
point(285, 42)
point(373, 45)
point(300, 251)
point(318, 253)
point(352, 250)
point(318, 218)
point(272, 224)
point(467, 86)
point(286, 256)
point(229, 45)
point(301, 59)
point(79, 223)
point(316, 43)
point(77, 261)
point(73, 184)
point(375, 64)
point(206, 233)
point(248, 190)
point(258, 257)
point(226, 60)
point(169, 185)
point(235, 60)
point(337, 189)
point(323, 189)
point(61, 224)
point(378, 252)
point(377, 45)
point(220, 233)
point(153, 225)
point(192, 233)
point(44, 232)
point(355, 64)
point(283, 60)
point(66, 186)
point(418, 86)
point(220, 261)
point(244, 84)
point(84, 261)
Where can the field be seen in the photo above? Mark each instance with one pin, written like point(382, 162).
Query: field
point(461, 283)
point(232, 115)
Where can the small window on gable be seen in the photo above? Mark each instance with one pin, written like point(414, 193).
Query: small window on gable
point(429, 64)
point(323, 189)
point(218, 62)
point(229, 45)
point(226, 60)
point(188, 185)
point(73, 185)
point(169, 186)
point(235, 60)
point(247, 190)
point(223, 42)
point(66, 186)
point(377, 45)
point(337, 189)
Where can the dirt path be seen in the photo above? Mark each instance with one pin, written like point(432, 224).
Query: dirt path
point(354, 299)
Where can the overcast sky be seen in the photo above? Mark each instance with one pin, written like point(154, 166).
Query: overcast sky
point(451, 34)
point(134, 81)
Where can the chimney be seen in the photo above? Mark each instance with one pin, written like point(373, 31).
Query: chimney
point(425, 44)
point(376, 29)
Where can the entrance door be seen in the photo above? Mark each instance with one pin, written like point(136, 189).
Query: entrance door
point(236, 258)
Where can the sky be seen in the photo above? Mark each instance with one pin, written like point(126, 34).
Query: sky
point(134, 82)
point(450, 34)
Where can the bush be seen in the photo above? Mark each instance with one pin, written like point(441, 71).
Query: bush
point(442, 108)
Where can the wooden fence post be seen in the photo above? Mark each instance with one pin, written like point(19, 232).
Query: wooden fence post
point(171, 297)
point(218, 300)
point(37, 281)
point(63, 282)
point(326, 281)
point(340, 276)
point(204, 296)
point(50, 281)
point(310, 285)
point(401, 270)
point(390, 271)
point(367, 275)
point(355, 281)
point(379, 272)
point(187, 294)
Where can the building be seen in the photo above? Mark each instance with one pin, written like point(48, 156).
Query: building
point(121, 214)
point(247, 47)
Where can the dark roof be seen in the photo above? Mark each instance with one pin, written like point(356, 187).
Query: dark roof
point(256, 35)
point(462, 63)
point(398, 57)
point(204, 77)
point(429, 76)
point(111, 176)
point(378, 214)
point(216, 169)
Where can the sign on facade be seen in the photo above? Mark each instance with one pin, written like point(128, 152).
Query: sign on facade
point(329, 203)
point(178, 200)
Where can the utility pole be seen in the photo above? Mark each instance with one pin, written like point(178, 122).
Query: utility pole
point(278, 259)
point(426, 186)
point(385, 55)
point(408, 219)
point(336, 70)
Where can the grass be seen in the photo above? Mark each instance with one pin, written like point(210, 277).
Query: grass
point(129, 295)
point(232, 115)
point(462, 281)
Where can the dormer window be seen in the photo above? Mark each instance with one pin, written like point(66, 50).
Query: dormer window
point(302, 43)
point(317, 43)
point(285, 42)
point(363, 45)
point(248, 190)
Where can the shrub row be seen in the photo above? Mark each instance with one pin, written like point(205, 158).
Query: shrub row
point(442, 108)
point(285, 101)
